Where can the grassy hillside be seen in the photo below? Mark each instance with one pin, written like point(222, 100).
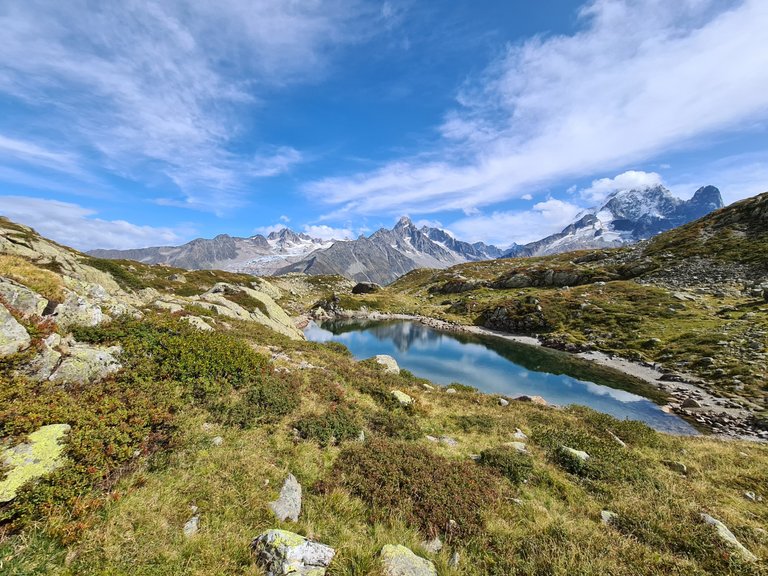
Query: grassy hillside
point(217, 418)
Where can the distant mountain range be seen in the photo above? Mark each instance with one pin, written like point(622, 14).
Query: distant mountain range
point(625, 217)
point(381, 257)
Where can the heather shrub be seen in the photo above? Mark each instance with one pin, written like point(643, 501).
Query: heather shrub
point(394, 424)
point(339, 423)
point(508, 462)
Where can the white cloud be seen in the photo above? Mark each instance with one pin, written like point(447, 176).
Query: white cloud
point(641, 77)
point(526, 197)
point(268, 229)
point(328, 232)
point(284, 218)
point(76, 226)
point(630, 180)
point(155, 90)
point(520, 226)
point(737, 177)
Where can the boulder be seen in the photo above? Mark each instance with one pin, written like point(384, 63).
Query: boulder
point(13, 336)
point(519, 435)
point(676, 466)
point(519, 446)
point(569, 452)
point(433, 546)
point(41, 455)
point(288, 504)
point(47, 360)
point(402, 397)
point(21, 298)
point(503, 402)
point(398, 560)
point(389, 363)
point(85, 364)
point(727, 536)
point(281, 552)
point(365, 288)
point(607, 517)
point(532, 399)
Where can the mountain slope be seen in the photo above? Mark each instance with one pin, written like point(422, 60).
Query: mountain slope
point(626, 216)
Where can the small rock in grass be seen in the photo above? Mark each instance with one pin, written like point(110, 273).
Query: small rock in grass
point(571, 452)
point(503, 402)
point(676, 466)
point(217, 441)
point(192, 526)
point(433, 546)
point(519, 446)
point(288, 504)
point(454, 561)
point(519, 435)
point(727, 536)
point(402, 397)
point(750, 496)
point(450, 391)
point(607, 517)
point(532, 399)
point(281, 553)
point(616, 439)
point(448, 441)
point(401, 561)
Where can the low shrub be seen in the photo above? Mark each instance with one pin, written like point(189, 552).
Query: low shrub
point(475, 422)
point(396, 424)
point(403, 480)
point(508, 462)
point(332, 427)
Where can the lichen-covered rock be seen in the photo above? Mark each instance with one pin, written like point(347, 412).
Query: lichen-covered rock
point(532, 399)
point(171, 307)
point(41, 455)
point(78, 311)
point(21, 298)
point(85, 364)
point(578, 455)
point(281, 553)
point(398, 560)
point(13, 336)
point(288, 504)
point(389, 363)
point(727, 536)
point(402, 397)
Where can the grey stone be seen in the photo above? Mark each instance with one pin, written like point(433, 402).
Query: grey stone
point(676, 466)
point(13, 336)
point(192, 526)
point(197, 323)
point(47, 360)
point(433, 546)
point(85, 364)
point(616, 439)
point(607, 517)
point(503, 402)
point(78, 311)
point(402, 397)
point(519, 435)
point(281, 552)
point(389, 363)
point(727, 536)
point(519, 446)
point(288, 504)
point(450, 391)
point(217, 441)
point(21, 298)
point(448, 441)
point(398, 560)
point(573, 453)
point(454, 561)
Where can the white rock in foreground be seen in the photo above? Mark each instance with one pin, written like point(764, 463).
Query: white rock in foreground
point(727, 536)
point(281, 552)
point(288, 504)
point(398, 560)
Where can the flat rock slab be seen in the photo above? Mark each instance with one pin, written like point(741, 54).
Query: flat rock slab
point(573, 453)
point(402, 397)
point(288, 504)
point(398, 560)
point(41, 455)
point(281, 552)
point(727, 536)
point(87, 364)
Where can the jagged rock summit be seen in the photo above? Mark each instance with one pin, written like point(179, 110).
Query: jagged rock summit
point(625, 217)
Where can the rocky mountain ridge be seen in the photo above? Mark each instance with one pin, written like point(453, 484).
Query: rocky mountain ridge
point(382, 257)
point(625, 217)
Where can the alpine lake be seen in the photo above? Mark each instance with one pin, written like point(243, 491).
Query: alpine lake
point(502, 367)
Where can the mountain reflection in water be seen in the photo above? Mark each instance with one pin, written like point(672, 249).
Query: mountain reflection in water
point(499, 366)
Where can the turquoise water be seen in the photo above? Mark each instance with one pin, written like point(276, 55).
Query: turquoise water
point(498, 366)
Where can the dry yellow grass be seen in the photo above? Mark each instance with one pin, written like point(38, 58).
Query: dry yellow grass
point(44, 282)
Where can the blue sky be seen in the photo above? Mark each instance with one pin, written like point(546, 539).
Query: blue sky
point(153, 122)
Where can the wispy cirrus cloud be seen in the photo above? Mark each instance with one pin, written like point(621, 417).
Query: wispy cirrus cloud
point(154, 91)
point(639, 78)
point(79, 227)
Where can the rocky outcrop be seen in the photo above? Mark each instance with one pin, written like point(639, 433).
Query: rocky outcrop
point(40, 455)
point(21, 298)
point(398, 560)
point(518, 316)
point(281, 553)
point(13, 336)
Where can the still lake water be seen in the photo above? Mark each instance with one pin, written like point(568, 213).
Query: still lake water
point(498, 366)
